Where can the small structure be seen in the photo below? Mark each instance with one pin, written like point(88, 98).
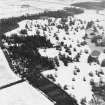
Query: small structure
point(93, 57)
point(95, 53)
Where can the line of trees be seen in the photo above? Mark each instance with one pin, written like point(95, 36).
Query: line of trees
point(8, 24)
point(23, 51)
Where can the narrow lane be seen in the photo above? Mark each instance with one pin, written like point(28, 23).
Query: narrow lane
point(53, 91)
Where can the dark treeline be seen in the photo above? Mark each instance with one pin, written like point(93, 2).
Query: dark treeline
point(74, 10)
point(8, 24)
point(23, 51)
point(91, 5)
point(11, 23)
point(31, 41)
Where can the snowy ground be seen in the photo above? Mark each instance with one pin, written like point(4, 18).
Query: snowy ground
point(10, 8)
point(64, 74)
point(78, 86)
point(18, 94)
point(19, 7)
point(6, 74)
point(90, 15)
point(23, 94)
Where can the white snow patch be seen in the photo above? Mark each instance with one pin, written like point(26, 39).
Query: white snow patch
point(23, 94)
point(6, 74)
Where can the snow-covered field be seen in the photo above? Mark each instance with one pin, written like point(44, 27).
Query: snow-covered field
point(18, 94)
point(10, 8)
point(90, 15)
point(6, 74)
point(23, 94)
